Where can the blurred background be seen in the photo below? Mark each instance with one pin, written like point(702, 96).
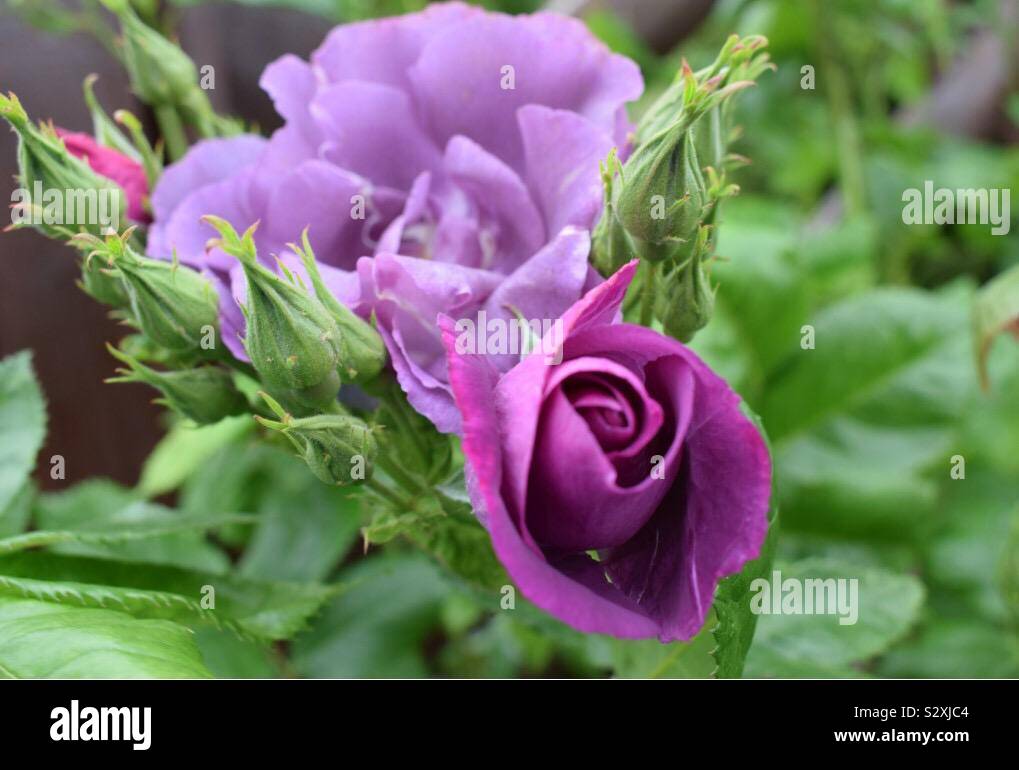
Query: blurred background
point(870, 97)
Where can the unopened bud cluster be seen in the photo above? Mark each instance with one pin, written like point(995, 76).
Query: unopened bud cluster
point(660, 206)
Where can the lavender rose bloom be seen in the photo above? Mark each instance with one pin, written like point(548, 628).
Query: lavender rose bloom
point(631, 448)
point(444, 162)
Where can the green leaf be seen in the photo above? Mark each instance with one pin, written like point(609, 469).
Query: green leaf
point(444, 526)
point(734, 628)
point(304, 527)
point(258, 609)
point(15, 517)
point(952, 649)
point(996, 309)
point(230, 657)
point(860, 421)
point(734, 631)
point(22, 425)
point(40, 639)
point(501, 648)
point(377, 627)
point(966, 555)
point(185, 449)
point(792, 645)
point(148, 524)
point(100, 518)
point(890, 354)
point(650, 659)
point(759, 283)
point(760, 303)
point(1010, 574)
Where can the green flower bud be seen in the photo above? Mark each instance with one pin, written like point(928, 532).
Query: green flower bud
point(60, 194)
point(611, 246)
point(339, 449)
point(163, 76)
point(172, 304)
point(205, 394)
point(362, 354)
point(102, 284)
point(160, 72)
point(685, 301)
point(292, 340)
point(663, 196)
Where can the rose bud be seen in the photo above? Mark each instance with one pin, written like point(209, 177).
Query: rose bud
point(172, 304)
point(291, 338)
point(339, 449)
point(611, 246)
point(362, 352)
point(47, 169)
point(161, 73)
point(122, 169)
point(103, 284)
point(663, 196)
point(685, 300)
point(205, 394)
point(619, 486)
point(164, 76)
point(663, 199)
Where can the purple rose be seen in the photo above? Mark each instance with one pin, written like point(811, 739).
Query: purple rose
point(455, 148)
point(630, 448)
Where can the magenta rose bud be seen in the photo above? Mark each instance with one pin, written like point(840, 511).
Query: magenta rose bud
point(620, 485)
point(111, 164)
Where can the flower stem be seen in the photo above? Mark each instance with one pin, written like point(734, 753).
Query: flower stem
point(401, 502)
point(647, 297)
point(400, 476)
point(172, 129)
point(852, 180)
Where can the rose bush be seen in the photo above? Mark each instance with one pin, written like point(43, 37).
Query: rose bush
point(455, 148)
point(630, 448)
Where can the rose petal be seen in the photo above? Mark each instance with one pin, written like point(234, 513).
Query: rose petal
point(500, 194)
point(371, 129)
point(575, 595)
point(460, 78)
point(715, 518)
point(562, 151)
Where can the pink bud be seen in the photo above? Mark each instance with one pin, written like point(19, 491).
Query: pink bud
point(111, 164)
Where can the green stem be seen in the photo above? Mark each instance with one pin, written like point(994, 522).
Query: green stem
point(400, 476)
point(647, 293)
point(172, 129)
point(840, 103)
point(401, 502)
point(394, 401)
